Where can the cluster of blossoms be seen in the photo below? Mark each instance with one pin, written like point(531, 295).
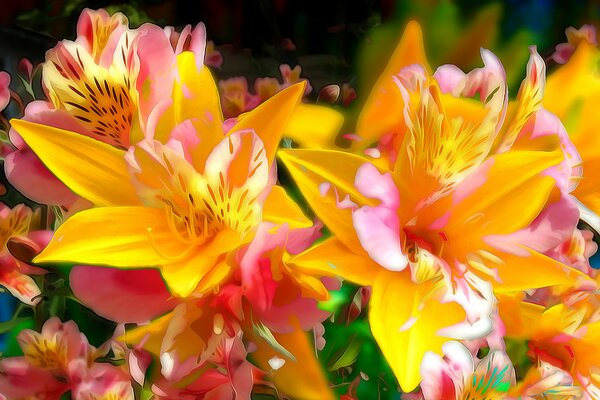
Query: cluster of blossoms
point(456, 209)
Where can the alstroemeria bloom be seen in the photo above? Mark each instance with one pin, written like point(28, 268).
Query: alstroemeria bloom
point(263, 297)
point(57, 360)
point(459, 200)
point(103, 85)
point(17, 224)
point(545, 381)
point(564, 336)
point(186, 206)
point(459, 375)
point(564, 51)
point(207, 202)
point(227, 376)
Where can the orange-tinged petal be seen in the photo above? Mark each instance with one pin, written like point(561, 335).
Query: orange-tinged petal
point(21, 286)
point(279, 208)
point(376, 119)
point(92, 169)
point(270, 118)
point(521, 319)
point(325, 178)
point(531, 270)
point(115, 236)
point(405, 319)
point(332, 258)
point(313, 126)
point(302, 378)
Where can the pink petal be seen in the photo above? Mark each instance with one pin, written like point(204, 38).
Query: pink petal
point(553, 226)
point(489, 82)
point(122, 295)
point(378, 227)
point(157, 68)
point(29, 176)
point(19, 379)
point(545, 124)
point(4, 89)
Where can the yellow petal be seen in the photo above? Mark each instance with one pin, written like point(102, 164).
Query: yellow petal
point(521, 319)
point(314, 171)
point(313, 126)
point(183, 277)
point(532, 270)
point(115, 236)
point(279, 208)
point(92, 169)
point(270, 118)
point(514, 181)
point(405, 319)
point(383, 109)
point(302, 378)
point(332, 258)
point(195, 98)
point(572, 93)
point(151, 335)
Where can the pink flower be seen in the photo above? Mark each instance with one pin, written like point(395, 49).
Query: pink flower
point(459, 375)
point(213, 58)
point(292, 75)
point(277, 293)
point(235, 97)
point(226, 375)
point(109, 84)
point(564, 51)
point(57, 360)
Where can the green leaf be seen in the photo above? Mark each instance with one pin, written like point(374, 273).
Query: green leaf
point(261, 330)
point(348, 357)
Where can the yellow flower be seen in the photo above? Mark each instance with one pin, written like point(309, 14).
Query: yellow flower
point(182, 207)
point(446, 214)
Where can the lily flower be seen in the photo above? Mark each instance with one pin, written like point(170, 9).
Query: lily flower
point(207, 202)
point(56, 360)
point(266, 302)
point(103, 85)
point(458, 204)
point(460, 375)
point(562, 337)
point(187, 199)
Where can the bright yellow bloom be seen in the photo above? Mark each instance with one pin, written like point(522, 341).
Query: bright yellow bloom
point(182, 207)
point(449, 208)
